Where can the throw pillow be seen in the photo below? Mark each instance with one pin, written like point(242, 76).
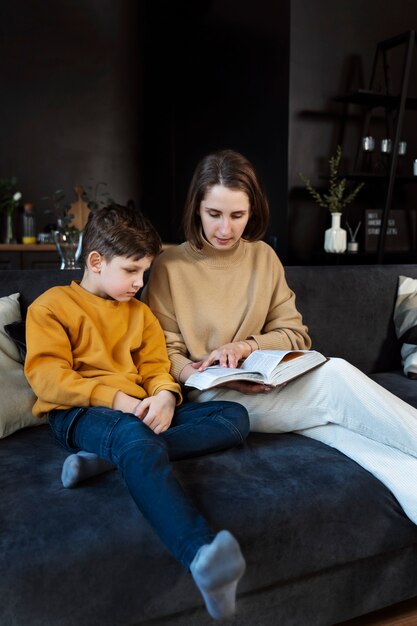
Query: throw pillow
point(17, 332)
point(16, 396)
point(405, 320)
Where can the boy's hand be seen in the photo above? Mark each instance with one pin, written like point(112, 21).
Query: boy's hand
point(157, 411)
point(126, 404)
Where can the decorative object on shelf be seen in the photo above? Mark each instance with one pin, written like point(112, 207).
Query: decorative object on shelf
point(70, 220)
point(415, 167)
point(9, 199)
point(335, 236)
point(67, 237)
point(29, 224)
point(402, 148)
point(386, 146)
point(353, 246)
point(79, 209)
point(334, 200)
point(401, 233)
point(368, 144)
point(68, 243)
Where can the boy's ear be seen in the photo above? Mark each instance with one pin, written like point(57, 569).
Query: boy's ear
point(94, 261)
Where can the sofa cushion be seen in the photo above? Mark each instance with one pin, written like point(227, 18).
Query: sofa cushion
point(297, 507)
point(16, 397)
point(405, 319)
point(396, 382)
point(17, 333)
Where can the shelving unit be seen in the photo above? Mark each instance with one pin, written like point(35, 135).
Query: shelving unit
point(394, 106)
point(19, 256)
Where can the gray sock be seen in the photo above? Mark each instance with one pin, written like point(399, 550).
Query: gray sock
point(83, 465)
point(216, 569)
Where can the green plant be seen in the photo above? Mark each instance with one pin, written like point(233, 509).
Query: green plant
point(335, 199)
point(96, 196)
point(60, 210)
point(9, 196)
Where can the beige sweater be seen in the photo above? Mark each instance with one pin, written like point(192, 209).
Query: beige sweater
point(206, 298)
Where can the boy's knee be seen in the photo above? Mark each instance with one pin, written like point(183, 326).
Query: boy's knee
point(133, 434)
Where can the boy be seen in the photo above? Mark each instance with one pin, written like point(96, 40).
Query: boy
point(97, 362)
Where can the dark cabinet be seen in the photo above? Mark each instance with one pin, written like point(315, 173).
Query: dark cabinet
point(28, 257)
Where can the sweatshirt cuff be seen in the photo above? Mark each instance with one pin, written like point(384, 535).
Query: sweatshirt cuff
point(103, 396)
point(178, 362)
point(174, 388)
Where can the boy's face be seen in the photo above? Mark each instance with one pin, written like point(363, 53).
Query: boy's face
point(121, 278)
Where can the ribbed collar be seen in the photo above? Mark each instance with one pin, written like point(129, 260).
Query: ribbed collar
point(218, 258)
point(93, 299)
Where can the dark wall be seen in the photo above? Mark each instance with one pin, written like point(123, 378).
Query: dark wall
point(70, 101)
point(332, 50)
point(216, 76)
point(135, 92)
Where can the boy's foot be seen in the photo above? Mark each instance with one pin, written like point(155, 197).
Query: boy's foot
point(83, 465)
point(216, 569)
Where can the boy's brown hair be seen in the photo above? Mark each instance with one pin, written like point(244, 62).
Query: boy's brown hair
point(116, 230)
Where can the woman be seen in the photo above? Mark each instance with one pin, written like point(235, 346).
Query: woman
point(222, 294)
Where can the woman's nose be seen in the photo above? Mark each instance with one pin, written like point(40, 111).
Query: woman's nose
point(225, 225)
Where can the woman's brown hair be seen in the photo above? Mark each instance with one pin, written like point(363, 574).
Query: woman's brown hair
point(232, 170)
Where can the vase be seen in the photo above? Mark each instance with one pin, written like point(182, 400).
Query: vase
point(68, 243)
point(9, 230)
point(335, 236)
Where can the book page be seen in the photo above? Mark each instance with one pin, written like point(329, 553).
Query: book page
point(214, 375)
point(265, 361)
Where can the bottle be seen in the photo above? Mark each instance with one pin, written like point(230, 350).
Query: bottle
point(29, 225)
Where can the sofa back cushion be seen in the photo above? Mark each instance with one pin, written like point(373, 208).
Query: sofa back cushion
point(349, 311)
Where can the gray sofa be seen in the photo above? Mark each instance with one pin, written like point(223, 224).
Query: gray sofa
point(324, 540)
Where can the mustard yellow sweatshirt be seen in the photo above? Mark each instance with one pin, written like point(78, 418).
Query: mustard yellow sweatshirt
point(206, 298)
point(82, 349)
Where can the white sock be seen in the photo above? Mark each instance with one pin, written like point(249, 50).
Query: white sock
point(83, 465)
point(217, 568)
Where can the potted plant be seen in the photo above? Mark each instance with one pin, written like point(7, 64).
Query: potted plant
point(70, 220)
point(335, 199)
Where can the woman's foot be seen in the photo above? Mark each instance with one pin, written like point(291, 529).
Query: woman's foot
point(83, 465)
point(217, 568)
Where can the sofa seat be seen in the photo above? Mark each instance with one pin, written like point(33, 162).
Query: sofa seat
point(324, 540)
point(88, 550)
point(399, 384)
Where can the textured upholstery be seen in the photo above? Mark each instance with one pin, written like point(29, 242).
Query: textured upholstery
point(324, 540)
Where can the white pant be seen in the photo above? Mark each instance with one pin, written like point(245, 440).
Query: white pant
point(340, 406)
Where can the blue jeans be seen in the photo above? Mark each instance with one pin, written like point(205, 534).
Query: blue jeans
point(143, 459)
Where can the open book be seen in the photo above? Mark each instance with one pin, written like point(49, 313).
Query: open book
point(269, 367)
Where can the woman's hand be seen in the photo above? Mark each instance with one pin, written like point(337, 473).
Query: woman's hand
point(230, 354)
point(245, 386)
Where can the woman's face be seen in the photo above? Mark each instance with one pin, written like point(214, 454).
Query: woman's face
point(224, 214)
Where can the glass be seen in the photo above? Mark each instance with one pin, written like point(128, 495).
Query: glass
point(68, 244)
